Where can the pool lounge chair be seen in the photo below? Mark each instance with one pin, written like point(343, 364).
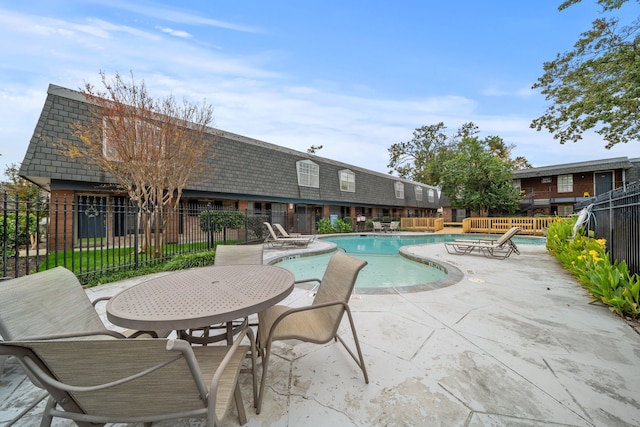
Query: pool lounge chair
point(500, 248)
point(284, 233)
point(274, 241)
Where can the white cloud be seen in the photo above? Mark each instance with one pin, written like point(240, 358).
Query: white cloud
point(176, 33)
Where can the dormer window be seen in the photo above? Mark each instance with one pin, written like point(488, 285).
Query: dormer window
point(347, 180)
point(418, 194)
point(126, 140)
point(432, 195)
point(308, 174)
point(399, 187)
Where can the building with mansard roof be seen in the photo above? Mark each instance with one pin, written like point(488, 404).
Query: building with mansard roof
point(242, 173)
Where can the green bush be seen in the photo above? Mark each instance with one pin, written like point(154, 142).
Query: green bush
point(24, 229)
point(182, 262)
point(324, 226)
point(344, 226)
point(217, 220)
point(588, 260)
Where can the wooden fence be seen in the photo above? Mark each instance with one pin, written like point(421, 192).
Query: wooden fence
point(422, 224)
point(534, 226)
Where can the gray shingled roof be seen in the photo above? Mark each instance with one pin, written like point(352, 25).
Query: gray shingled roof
point(239, 167)
point(590, 166)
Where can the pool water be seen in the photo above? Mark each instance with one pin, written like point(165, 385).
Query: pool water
point(382, 271)
point(386, 268)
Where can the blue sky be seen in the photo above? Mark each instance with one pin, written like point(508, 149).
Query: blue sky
point(353, 76)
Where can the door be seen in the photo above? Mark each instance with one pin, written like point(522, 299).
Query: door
point(92, 214)
point(604, 182)
point(302, 222)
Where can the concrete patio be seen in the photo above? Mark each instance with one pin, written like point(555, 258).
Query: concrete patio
point(514, 343)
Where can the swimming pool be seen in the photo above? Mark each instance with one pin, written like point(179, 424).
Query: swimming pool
point(387, 271)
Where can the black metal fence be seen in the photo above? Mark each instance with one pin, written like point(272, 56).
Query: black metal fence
point(616, 218)
point(97, 234)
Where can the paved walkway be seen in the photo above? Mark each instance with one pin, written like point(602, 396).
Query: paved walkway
point(514, 343)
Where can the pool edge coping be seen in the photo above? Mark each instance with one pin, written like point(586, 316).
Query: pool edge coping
point(453, 274)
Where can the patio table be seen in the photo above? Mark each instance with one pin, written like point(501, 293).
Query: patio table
point(200, 297)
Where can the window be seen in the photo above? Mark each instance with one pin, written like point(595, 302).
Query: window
point(418, 194)
point(121, 141)
point(565, 183)
point(399, 187)
point(347, 180)
point(565, 210)
point(308, 174)
point(432, 195)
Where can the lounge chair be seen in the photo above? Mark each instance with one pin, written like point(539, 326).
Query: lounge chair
point(317, 323)
point(394, 226)
point(98, 379)
point(275, 241)
point(500, 248)
point(284, 233)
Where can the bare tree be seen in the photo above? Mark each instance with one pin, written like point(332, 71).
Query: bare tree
point(152, 147)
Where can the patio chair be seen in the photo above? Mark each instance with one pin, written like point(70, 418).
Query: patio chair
point(317, 323)
point(377, 226)
point(97, 379)
point(49, 303)
point(500, 248)
point(275, 241)
point(225, 255)
point(284, 233)
point(394, 226)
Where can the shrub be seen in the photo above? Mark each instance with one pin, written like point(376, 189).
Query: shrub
point(324, 226)
point(589, 262)
point(182, 262)
point(217, 220)
point(8, 239)
point(344, 226)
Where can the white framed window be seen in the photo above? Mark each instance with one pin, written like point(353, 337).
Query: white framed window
point(308, 173)
point(565, 210)
point(565, 183)
point(143, 141)
point(399, 187)
point(347, 180)
point(431, 195)
point(418, 193)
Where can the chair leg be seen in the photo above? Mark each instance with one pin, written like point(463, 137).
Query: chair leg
point(359, 359)
point(242, 415)
point(266, 353)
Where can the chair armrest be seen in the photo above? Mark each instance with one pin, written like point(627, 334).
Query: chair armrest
point(96, 301)
point(295, 310)
point(88, 334)
point(306, 281)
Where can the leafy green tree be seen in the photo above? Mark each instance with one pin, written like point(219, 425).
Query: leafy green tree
point(595, 86)
point(18, 186)
point(411, 159)
point(472, 176)
point(472, 173)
